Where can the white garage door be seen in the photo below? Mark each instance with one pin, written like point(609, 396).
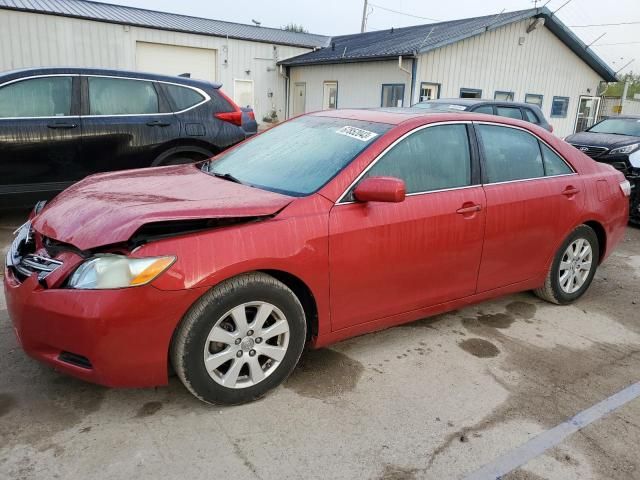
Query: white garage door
point(176, 60)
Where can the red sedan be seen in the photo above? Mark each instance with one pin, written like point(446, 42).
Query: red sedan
point(328, 226)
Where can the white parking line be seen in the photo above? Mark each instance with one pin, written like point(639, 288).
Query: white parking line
point(549, 439)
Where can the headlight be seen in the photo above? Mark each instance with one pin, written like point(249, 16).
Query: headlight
point(624, 150)
point(118, 271)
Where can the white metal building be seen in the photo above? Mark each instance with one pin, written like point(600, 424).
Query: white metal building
point(526, 56)
point(90, 34)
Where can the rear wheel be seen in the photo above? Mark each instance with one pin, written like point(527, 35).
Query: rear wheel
point(240, 340)
point(573, 268)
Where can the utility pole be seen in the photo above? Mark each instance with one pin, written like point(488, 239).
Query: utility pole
point(364, 17)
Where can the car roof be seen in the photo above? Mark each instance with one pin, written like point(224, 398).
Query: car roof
point(28, 72)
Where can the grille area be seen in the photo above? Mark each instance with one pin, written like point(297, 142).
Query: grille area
point(592, 151)
point(24, 260)
point(75, 359)
point(31, 263)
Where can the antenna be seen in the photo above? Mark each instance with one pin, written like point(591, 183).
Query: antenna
point(256, 22)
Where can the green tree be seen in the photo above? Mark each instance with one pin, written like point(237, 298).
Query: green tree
point(616, 89)
point(294, 27)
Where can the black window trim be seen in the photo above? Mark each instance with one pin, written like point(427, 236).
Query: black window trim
point(85, 96)
point(540, 140)
point(404, 90)
point(75, 99)
point(474, 153)
point(470, 90)
point(566, 114)
point(513, 95)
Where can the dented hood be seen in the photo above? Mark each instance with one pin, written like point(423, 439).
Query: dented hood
point(109, 208)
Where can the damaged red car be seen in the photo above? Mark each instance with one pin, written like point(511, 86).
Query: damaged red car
point(328, 226)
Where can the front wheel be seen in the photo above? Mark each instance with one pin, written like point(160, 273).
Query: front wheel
point(573, 267)
point(240, 340)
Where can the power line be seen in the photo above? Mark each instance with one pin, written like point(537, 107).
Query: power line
point(403, 13)
point(608, 44)
point(605, 24)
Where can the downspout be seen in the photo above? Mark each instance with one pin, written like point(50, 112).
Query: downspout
point(286, 91)
point(408, 72)
point(414, 68)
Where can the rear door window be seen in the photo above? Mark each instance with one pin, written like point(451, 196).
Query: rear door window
point(121, 96)
point(553, 163)
point(509, 112)
point(36, 97)
point(434, 158)
point(183, 97)
point(484, 109)
point(530, 116)
point(510, 154)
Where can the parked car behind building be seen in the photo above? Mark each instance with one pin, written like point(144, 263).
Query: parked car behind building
point(520, 111)
point(59, 125)
point(616, 141)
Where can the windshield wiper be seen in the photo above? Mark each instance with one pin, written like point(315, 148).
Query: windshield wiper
point(227, 176)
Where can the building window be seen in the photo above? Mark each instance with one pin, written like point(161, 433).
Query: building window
point(429, 91)
point(533, 99)
point(470, 93)
point(392, 95)
point(330, 96)
point(559, 107)
point(503, 96)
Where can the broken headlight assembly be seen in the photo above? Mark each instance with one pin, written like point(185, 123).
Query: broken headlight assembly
point(107, 271)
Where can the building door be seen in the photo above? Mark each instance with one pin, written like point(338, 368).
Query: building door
point(243, 93)
point(429, 91)
point(392, 95)
point(587, 112)
point(299, 98)
point(176, 60)
point(330, 96)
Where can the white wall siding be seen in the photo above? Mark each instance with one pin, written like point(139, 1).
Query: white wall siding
point(359, 84)
point(33, 40)
point(495, 61)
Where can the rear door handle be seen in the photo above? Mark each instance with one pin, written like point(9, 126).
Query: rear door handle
point(158, 123)
point(466, 209)
point(62, 125)
point(570, 191)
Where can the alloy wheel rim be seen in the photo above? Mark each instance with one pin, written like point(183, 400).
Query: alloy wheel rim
point(246, 344)
point(575, 265)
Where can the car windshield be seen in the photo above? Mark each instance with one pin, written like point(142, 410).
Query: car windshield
point(618, 126)
point(298, 157)
point(440, 106)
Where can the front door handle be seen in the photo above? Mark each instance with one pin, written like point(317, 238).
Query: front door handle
point(468, 207)
point(570, 191)
point(66, 125)
point(158, 123)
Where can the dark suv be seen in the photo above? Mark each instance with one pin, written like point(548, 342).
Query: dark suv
point(521, 111)
point(58, 125)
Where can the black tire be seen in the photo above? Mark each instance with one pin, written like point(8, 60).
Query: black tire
point(190, 338)
point(178, 161)
point(552, 290)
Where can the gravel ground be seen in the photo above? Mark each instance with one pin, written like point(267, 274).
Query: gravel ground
point(438, 398)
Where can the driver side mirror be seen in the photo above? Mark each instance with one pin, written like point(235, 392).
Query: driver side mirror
point(380, 189)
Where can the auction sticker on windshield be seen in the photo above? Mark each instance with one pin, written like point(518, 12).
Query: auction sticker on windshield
point(357, 133)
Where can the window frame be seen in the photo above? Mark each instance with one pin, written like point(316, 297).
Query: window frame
point(391, 85)
point(540, 140)
point(170, 100)
point(165, 106)
point(510, 95)
point(477, 91)
point(474, 155)
point(539, 95)
point(566, 113)
point(437, 85)
point(75, 110)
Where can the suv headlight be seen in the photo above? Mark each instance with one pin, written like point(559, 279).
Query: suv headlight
point(118, 271)
point(625, 150)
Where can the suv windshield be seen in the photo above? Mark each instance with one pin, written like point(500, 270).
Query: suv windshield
point(618, 126)
point(300, 156)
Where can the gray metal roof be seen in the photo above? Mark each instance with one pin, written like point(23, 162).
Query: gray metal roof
point(411, 41)
point(105, 12)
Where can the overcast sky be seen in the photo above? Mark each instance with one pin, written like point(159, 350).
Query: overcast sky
point(336, 17)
